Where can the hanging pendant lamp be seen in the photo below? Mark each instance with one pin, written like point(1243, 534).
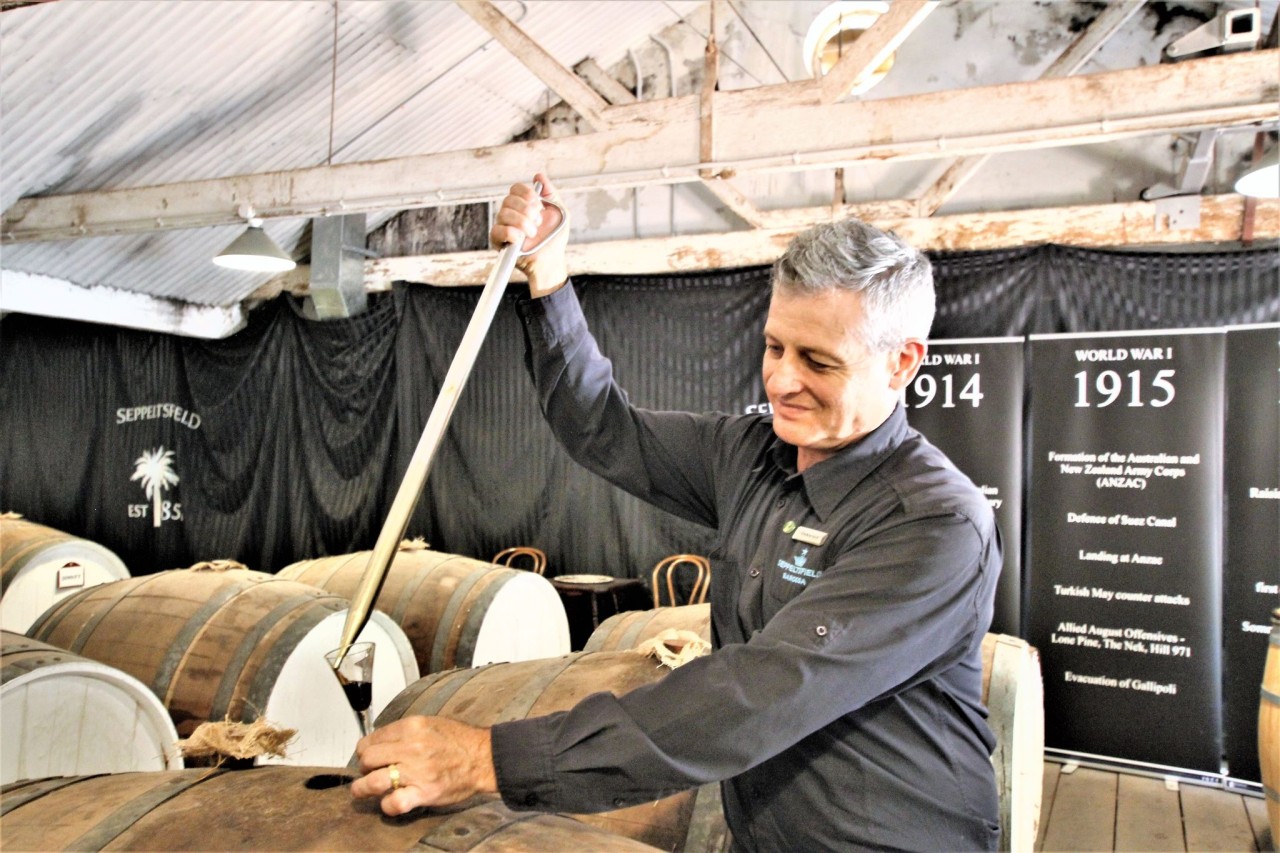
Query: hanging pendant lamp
point(254, 251)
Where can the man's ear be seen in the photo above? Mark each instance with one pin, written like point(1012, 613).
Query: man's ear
point(905, 362)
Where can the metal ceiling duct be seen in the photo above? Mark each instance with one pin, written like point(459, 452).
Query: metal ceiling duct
point(337, 266)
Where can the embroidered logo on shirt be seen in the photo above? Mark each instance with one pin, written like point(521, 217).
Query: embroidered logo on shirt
point(795, 571)
point(788, 527)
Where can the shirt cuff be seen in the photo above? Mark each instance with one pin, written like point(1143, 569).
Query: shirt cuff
point(522, 764)
point(553, 318)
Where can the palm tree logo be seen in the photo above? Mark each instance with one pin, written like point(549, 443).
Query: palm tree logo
point(155, 469)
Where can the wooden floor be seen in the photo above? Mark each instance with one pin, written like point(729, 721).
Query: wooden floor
point(1090, 809)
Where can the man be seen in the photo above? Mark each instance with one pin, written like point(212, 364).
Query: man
point(852, 583)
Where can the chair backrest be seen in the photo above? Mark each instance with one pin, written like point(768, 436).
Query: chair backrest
point(537, 558)
point(666, 569)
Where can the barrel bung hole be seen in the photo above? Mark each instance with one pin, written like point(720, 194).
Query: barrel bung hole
point(324, 781)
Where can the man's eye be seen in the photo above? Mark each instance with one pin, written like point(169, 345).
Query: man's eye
point(773, 349)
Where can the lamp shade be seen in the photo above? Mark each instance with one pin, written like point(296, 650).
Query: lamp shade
point(1263, 180)
point(254, 251)
point(835, 29)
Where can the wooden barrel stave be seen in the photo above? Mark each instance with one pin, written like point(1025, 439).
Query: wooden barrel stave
point(502, 692)
point(1013, 692)
point(34, 564)
point(1269, 727)
point(233, 645)
point(63, 714)
point(630, 628)
point(34, 826)
point(267, 808)
point(453, 624)
point(190, 636)
point(456, 611)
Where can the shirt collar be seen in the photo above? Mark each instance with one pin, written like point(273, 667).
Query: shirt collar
point(829, 481)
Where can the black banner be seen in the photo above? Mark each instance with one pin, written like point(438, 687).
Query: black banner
point(967, 399)
point(1251, 574)
point(1125, 528)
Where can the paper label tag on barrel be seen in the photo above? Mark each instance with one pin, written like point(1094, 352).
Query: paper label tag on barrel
point(71, 576)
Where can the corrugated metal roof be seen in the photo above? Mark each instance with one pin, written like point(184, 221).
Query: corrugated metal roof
point(104, 94)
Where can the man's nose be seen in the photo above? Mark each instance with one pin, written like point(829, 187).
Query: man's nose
point(783, 377)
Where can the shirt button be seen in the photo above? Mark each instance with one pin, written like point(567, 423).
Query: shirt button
point(821, 630)
point(780, 503)
point(755, 573)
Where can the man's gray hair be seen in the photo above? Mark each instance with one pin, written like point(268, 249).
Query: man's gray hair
point(894, 278)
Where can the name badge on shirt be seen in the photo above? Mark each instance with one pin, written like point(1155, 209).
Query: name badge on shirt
point(809, 535)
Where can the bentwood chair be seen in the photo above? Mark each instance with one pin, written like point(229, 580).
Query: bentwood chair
point(666, 570)
point(537, 558)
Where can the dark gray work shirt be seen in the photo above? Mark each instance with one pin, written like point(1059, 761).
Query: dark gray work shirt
point(842, 704)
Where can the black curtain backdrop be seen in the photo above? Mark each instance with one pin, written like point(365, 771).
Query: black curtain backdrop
point(288, 440)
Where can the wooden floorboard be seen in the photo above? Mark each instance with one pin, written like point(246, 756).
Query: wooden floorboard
point(1083, 817)
point(1086, 809)
point(1052, 770)
point(1148, 815)
point(1215, 819)
point(1257, 808)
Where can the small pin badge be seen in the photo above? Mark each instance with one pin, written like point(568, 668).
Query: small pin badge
point(788, 527)
point(809, 535)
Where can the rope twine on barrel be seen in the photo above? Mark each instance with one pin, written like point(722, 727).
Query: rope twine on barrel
point(11, 516)
point(415, 544)
point(227, 739)
point(674, 647)
point(217, 566)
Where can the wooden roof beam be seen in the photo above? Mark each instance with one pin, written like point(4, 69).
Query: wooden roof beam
point(603, 82)
point(1231, 90)
point(1137, 223)
point(561, 80)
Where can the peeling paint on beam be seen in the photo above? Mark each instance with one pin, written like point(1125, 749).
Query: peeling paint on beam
point(1095, 226)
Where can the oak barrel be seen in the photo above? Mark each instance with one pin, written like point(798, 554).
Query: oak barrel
point(40, 566)
point(266, 808)
point(64, 715)
point(233, 645)
point(630, 628)
point(456, 611)
point(1013, 691)
point(501, 692)
point(1269, 727)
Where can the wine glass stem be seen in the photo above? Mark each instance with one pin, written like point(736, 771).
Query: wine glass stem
point(363, 716)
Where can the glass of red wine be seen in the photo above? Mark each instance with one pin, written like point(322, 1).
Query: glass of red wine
point(353, 666)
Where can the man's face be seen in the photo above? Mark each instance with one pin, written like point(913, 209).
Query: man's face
point(826, 388)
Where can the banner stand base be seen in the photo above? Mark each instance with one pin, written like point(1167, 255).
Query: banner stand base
point(1158, 771)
